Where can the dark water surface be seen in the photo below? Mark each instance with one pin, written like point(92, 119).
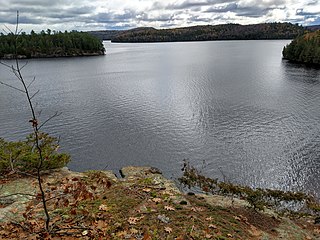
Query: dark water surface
point(234, 107)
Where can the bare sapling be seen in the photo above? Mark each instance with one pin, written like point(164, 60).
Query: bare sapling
point(16, 68)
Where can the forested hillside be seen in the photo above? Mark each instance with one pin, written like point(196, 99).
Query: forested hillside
point(208, 32)
point(50, 44)
point(304, 49)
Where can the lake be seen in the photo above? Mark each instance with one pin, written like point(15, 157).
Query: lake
point(234, 109)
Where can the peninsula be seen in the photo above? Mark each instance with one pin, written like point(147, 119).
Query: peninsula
point(48, 44)
point(304, 49)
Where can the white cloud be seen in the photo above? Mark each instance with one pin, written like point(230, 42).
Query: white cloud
point(118, 14)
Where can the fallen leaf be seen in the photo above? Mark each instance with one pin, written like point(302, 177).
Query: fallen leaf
point(213, 226)
point(85, 233)
point(229, 235)
point(146, 190)
point(157, 200)
point(237, 218)
point(103, 207)
point(208, 236)
point(169, 208)
point(146, 236)
point(134, 231)
point(209, 218)
point(101, 224)
point(168, 229)
point(133, 220)
point(122, 233)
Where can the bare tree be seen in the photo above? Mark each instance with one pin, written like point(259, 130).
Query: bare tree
point(16, 68)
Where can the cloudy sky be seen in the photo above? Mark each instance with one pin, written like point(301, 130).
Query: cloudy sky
point(123, 14)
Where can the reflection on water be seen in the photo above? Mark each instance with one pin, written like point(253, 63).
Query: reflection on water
point(234, 107)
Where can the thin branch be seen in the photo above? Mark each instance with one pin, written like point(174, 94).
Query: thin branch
point(34, 94)
point(34, 78)
point(24, 65)
point(6, 65)
point(10, 86)
point(49, 119)
point(10, 31)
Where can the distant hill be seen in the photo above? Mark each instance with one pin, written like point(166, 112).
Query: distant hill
point(205, 33)
point(304, 49)
point(313, 27)
point(105, 34)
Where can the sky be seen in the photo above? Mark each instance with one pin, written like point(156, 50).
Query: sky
point(83, 15)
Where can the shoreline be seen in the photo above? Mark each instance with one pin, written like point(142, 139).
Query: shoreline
point(143, 203)
point(40, 56)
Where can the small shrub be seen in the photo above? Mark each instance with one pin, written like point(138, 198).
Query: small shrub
point(24, 156)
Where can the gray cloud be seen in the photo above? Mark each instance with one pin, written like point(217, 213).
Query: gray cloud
point(115, 14)
point(189, 4)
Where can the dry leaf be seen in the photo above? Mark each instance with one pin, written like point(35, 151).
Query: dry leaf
point(169, 208)
point(146, 190)
point(229, 235)
point(209, 218)
point(208, 236)
point(212, 226)
point(101, 224)
point(132, 220)
point(157, 200)
point(122, 233)
point(237, 218)
point(103, 207)
point(168, 229)
point(85, 233)
point(134, 231)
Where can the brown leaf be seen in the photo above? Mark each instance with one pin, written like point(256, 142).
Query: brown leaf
point(101, 224)
point(168, 229)
point(73, 211)
point(237, 218)
point(133, 220)
point(169, 208)
point(134, 231)
point(103, 207)
point(146, 190)
point(157, 200)
point(146, 236)
point(213, 226)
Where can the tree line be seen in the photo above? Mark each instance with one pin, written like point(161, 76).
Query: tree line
point(50, 44)
point(304, 49)
point(212, 32)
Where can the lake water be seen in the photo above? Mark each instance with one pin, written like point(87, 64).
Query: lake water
point(232, 108)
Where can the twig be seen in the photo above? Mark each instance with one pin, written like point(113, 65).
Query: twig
point(10, 86)
point(34, 78)
point(49, 119)
point(34, 94)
